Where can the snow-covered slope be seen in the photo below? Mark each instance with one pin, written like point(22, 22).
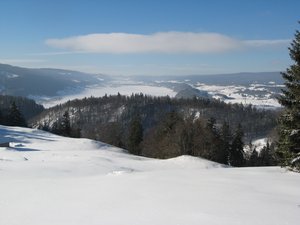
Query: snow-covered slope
point(52, 180)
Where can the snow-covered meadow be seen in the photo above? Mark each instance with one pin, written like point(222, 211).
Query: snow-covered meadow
point(235, 94)
point(52, 180)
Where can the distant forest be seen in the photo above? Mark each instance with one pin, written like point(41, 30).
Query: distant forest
point(164, 127)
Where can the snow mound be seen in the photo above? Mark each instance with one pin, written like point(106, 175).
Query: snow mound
point(191, 162)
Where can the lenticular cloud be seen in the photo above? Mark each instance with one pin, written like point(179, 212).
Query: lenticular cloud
point(168, 42)
point(163, 42)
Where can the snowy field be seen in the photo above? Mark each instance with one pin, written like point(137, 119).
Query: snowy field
point(52, 180)
point(99, 91)
point(235, 95)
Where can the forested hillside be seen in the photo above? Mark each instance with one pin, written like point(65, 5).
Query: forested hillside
point(159, 127)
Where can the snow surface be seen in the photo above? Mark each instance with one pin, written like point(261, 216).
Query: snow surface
point(52, 180)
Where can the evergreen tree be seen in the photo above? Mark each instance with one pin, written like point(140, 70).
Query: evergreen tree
point(135, 136)
point(226, 138)
point(254, 158)
point(186, 136)
point(171, 120)
point(165, 139)
point(236, 154)
point(211, 124)
point(214, 143)
point(44, 126)
point(289, 123)
point(266, 156)
point(75, 132)
point(15, 117)
point(65, 124)
point(55, 128)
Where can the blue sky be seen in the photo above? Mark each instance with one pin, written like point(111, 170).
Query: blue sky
point(139, 37)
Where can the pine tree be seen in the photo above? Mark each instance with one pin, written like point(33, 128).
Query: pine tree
point(266, 156)
point(214, 144)
point(171, 120)
point(65, 124)
point(254, 158)
point(226, 139)
point(236, 154)
point(135, 136)
point(289, 122)
point(186, 136)
point(15, 117)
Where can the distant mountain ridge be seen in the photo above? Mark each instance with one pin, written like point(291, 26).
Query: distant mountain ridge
point(243, 78)
point(26, 82)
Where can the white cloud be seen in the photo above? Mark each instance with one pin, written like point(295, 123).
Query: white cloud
point(168, 42)
point(163, 42)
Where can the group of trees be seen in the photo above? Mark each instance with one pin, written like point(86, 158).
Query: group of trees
point(28, 107)
point(176, 136)
point(197, 137)
point(62, 126)
point(265, 157)
point(97, 116)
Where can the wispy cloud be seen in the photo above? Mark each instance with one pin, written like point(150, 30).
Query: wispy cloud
point(265, 43)
point(12, 61)
point(163, 42)
point(56, 53)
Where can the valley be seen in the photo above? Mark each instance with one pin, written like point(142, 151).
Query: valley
point(50, 87)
